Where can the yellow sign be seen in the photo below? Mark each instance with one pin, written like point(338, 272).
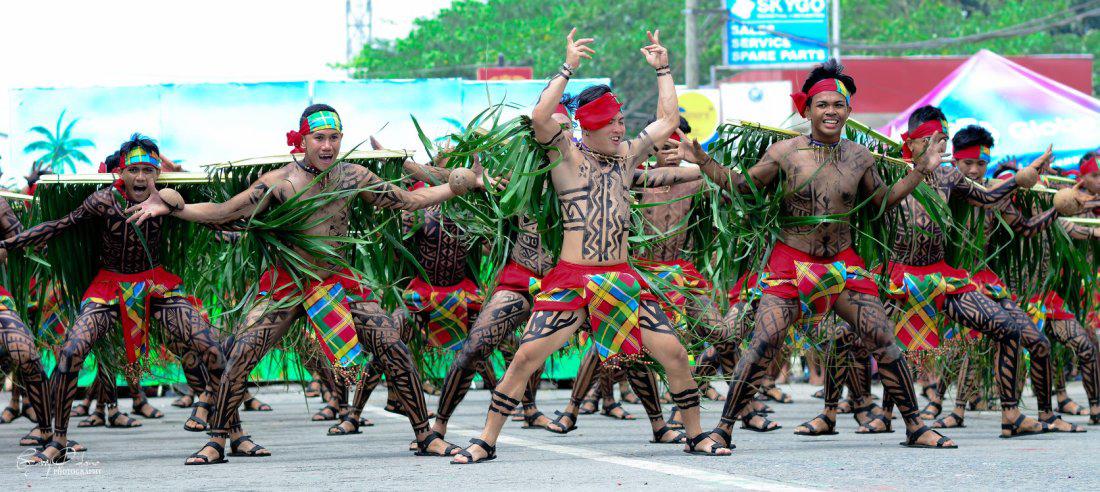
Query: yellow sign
point(701, 112)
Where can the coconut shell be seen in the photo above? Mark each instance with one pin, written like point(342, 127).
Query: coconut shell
point(461, 180)
point(172, 198)
point(1067, 202)
point(1027, 177)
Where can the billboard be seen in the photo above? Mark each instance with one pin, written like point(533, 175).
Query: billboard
point(750, 44)
point(767, 103)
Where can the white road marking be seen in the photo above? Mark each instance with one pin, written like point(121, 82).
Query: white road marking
point(714, 477)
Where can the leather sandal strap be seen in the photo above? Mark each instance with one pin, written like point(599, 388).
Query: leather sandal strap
point(924, 429)
point(726, 437)
point(490, 450)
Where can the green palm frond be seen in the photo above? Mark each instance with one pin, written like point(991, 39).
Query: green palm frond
point(278, 237)
point(504, 149)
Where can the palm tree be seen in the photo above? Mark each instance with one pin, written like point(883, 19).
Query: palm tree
point(62, 151)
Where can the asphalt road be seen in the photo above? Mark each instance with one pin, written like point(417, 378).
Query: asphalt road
point(602, 453)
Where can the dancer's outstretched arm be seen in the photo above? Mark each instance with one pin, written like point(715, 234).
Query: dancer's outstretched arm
point(241, 206)
point(93, 206)
point(979, 195)
point(668, 107)
point(761, 174)
point(924, 165)
point(547, 131)
point(434, 174)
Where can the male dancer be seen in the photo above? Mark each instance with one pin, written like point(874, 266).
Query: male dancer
point(592, 280)
point(972, 158)
point(318, 137)
point(507, 308)
point(503, 313)
point(130, 279)
point(922, 283)
point(816, 265)
point(103, 388)
point(17, 349)
point(688, 292)
point(442, 305)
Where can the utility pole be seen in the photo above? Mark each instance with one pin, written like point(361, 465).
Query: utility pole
point(691, 58)
point(360, 26)
point(835, 25)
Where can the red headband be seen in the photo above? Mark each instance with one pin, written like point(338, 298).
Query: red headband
point(926, 129)
point(562, 109)
point(1090, 166)
point(972, 152)
point(597, 114)
point(801, 99)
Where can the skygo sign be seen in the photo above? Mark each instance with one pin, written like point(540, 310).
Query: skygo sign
point(748, 47)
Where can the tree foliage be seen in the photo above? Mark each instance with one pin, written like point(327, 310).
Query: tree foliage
point(896, 21)
point(474, 33)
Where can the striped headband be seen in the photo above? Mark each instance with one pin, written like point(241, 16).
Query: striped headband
point(973, 152)
point(138, 155)
point(321, 120)
point(802, 99)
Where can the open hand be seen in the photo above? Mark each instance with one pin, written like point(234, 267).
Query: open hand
point(167, 165)
point(1041, 164)
point(934, 155)
point(655, 54)
point(697, 155)
point(153, 206)
point(577, 49)
point(678, 150)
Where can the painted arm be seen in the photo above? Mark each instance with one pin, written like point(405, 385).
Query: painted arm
point(665, 176)
point(1077, 231)
point(1025, 178)
point(436, 174)
point(241, 206)
point(668, 106)
point(979, 195)
point(93, 206)
point(547, 131)
point(762, 174)
point(9, 223)
point(382, 194)
point(1032, 225)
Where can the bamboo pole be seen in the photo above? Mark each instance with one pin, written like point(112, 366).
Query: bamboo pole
point(287, 158)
